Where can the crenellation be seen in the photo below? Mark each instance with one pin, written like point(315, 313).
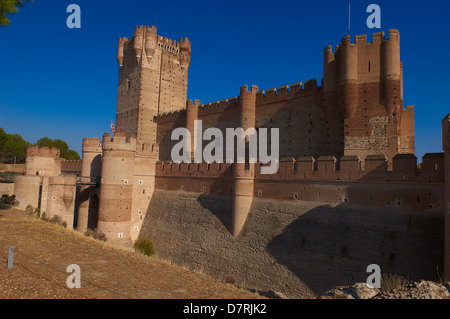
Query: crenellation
point(170, 116)
point(271, 93)
point(378, 38)
point(43, 151)
point(283, 91)
point(326, 164)
point(296, 87)
point(71, 165)
point(310, 85)
point(361, 40)
point(326, 168)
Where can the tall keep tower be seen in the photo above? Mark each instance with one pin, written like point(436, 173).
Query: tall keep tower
point(153, 80)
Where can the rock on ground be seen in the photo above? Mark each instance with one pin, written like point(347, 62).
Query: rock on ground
point(417, 290)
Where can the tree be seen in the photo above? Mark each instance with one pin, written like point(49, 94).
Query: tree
point(65, 152)
point(13, 148)
point(10, 7)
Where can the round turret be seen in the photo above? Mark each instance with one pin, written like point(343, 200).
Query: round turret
point(392, 73)
point(43, 161)
point(120, 52)
point(185, 52)
point(116, 188)
point(348, 76)
point(91, 164)
point(150, 41)
point(248, 106)
point(191, 116)
point(329, 70)
point(137, 41)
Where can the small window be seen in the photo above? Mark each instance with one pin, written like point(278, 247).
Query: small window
point(125, 181)
point(369, 66)
point(120, 235)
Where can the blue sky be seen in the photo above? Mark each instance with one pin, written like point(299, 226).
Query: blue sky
point(62, 83)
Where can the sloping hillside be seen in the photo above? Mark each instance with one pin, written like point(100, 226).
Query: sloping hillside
point(44, 251)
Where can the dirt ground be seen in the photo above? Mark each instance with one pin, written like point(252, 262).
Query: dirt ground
point(43, 251)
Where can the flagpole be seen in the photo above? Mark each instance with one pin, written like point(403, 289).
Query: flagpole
point(349, 16)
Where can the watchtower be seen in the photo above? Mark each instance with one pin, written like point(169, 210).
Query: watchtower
point(153, 80)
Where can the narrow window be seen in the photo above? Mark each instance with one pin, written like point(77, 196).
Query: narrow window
point(369, 66)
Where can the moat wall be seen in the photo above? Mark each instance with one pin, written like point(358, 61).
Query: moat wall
point(298, 248)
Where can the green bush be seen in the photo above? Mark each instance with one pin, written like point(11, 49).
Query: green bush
point(144, 246)
point(95, 234)
point(58, 220)
point(29, 209)
point(9, 200)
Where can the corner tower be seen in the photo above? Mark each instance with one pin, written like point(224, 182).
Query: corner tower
point(153, 80)
point(367, 80)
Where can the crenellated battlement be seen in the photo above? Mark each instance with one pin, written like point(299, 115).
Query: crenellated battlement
point(286, 91)
point(170, 116)
point(71, 166)
point(144, 149)
point(326, 168)
point(203, 109)
point(92, 144)
point(215, 170)
point(378, 38)
point(145, 41)
point(270, 95)
point(43, 151)
point(218, 106)
point(119, 141)
point(350, 169)
point(169, 45)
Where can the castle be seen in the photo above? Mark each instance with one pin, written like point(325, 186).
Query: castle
point(349, 141)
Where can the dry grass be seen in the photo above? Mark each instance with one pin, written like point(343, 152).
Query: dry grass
point(393, 281)
point(122, 271)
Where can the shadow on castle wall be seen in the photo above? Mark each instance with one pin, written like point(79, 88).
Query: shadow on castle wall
point(379, 220)
point(222, 212)
point(86, 207)
point(298, 248)
point(324, 237)
point(330, 246)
